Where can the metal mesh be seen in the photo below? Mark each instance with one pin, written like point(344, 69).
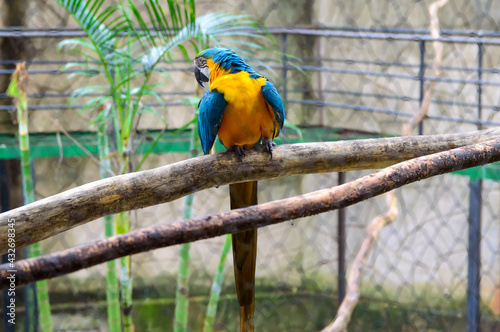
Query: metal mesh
point(363, 75)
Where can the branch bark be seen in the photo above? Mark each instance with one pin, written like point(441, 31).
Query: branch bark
point(58, 213)
point(146, 239)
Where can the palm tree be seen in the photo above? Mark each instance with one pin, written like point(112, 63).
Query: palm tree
point(122, 49)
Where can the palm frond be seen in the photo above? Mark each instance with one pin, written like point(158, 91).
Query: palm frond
point(91, 17)
point(219, 29)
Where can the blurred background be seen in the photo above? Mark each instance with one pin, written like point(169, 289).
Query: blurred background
point(349, 69)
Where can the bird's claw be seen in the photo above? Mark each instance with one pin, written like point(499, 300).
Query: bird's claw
point(269, 145)
point(240, 153)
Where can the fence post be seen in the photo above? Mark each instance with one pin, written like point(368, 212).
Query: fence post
point(319, 64)
point(475, 203)
point(473, 296)
point(284, 68)
point(421, 74)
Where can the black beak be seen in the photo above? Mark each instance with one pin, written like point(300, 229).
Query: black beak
point(200, 77)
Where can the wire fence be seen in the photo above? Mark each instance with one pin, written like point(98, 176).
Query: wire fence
point(365, 76)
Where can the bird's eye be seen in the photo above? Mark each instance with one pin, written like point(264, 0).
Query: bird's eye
point(200, 62)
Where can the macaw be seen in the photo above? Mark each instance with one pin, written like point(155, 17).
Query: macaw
point(243, 108)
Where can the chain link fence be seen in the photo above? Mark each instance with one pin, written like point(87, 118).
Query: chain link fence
point(354, 69)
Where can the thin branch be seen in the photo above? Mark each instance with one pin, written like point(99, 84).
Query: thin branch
point(353, 288)
point(58, 213)
point(350, 301)
point(436, 68)
point(239, 220)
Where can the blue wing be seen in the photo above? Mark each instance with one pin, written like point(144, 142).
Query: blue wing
point(211, 112)
point(273, 99)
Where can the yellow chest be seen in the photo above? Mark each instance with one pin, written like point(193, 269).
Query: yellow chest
point(238, 89)
point(247, 117)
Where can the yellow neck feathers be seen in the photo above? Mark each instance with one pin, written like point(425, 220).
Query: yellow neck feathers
point(237, 87)
point(215, 72)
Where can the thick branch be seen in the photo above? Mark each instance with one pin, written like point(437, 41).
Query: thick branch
point(58, 213)
point(146, 239)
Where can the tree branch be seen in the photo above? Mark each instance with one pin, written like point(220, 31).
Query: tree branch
point(190, 230)
point(58, 213)
point(436, 68)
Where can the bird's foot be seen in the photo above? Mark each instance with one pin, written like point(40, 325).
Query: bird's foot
point(240, 153)
point(268, 146)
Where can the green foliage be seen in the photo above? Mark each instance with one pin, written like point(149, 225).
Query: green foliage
point(216, 288)
point(17, 89)
point(182, 294)
point(113, 288)
point(123, 51)
point(293, 127)
point(130, 60)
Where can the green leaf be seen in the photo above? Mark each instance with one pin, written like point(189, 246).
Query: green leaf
point(147, 109)
point(12, 89)
point(103, 115)
point(142, 24)
point(70, 65)
point(290, 125)
point(95, 104)
point(80, 92)
point(192, 101)
point(74, 42)
point(184, 52)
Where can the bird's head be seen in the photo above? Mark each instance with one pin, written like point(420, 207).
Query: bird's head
point(224, 58)
point(201, 68)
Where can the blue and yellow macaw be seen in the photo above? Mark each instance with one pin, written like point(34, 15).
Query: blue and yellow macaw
point(243, 108)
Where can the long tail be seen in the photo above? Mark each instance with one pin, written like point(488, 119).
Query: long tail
point(244, 254)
